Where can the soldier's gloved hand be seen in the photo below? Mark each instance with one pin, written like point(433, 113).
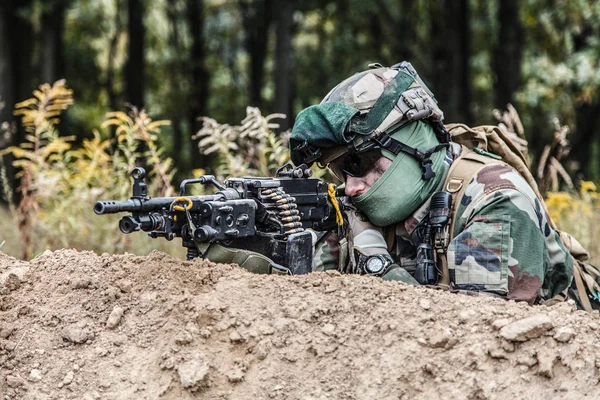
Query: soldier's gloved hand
point(249, 260)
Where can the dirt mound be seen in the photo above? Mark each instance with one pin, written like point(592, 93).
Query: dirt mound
point(81, 326)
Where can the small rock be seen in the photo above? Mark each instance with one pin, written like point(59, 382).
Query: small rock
point(205, 333)
point(68, 378)
point(183, 338)
point(194, 373)
point(546, 358)
point(564, 387)
point(527, 328)
point(76, 334)
point(466, 315)
point(266, 329)
point(81, 283)
point(14, 381)
point(500, 323)
point(120, 340)
point(235, 337)
point(262, 350)
point(235, 375)
point(124, 285)
point(425, 304)
point(440, 339)
point(508, 346)
point(115, 317)
point(11, 282)
point(328, 329)
point(6, 331)
point(527, 359)
point(35, 375)
point(564, 334)
point(496, 352)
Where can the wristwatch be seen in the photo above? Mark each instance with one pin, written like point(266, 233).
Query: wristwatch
point(376, 265)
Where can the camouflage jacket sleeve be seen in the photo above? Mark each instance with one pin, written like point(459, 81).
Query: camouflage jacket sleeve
point(327, 253)
point(503, 243)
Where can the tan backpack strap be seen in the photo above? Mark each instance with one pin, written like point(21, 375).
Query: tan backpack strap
point(583, 299)
point(462, 170)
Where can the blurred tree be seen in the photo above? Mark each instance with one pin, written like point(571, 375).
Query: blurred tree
point(135, 69)
point(51, 40)
point(15, 66)
point(451, 77)
point(111, 69)
point(200, 77)
point(256, 17)
point(284, 61)
point(508, 53)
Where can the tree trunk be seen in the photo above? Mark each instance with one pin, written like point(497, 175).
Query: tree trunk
point(134, 73)
point(199, 76)
point(451, 53)
point(15, 69)
point(256, 18)
point(176, 77)
point(284, 62)
point(508, 53)
point(51, 42)
point(113, 102)
point(586, 134)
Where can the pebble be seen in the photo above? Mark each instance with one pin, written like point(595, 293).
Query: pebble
point(14, 381)
point(194, 372)
point(76, 334)
point(527, 328)
point(500, 323)
point(115, 317)
point(425, 304)
point(35, 375)
point(440, 339)
point(124, 285)
point(466, 315)
point(564, 334)
point(235, 375)
point(6, 331)
point(205, 333)
point(328, 329)
point(546, 358)
point(81, 283)
point(184, 337)
point(235, 337)
point(68, 378)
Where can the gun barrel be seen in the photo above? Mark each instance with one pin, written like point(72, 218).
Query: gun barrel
point(132, 205)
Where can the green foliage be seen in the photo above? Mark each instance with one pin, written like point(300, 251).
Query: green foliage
point(251, 148)
point(59, 184)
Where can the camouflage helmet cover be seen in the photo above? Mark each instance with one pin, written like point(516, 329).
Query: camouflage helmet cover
point(375, 101)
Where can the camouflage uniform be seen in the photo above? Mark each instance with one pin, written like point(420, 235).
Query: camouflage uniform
point(502, 242)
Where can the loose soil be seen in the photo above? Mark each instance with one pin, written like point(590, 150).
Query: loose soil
point(76, 325)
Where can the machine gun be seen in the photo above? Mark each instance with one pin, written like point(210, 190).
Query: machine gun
point(268, 216)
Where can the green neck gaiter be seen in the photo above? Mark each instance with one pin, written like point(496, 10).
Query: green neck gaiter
point(401, 190)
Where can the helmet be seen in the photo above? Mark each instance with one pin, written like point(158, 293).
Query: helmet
point(362, 112)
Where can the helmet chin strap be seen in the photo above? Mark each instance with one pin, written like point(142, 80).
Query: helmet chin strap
point(424, 158)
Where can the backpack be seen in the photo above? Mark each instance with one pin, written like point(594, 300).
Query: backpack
point(478, 143)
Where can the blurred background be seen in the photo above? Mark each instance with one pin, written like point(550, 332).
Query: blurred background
point(183, 59)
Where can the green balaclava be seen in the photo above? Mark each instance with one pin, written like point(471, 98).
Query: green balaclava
point(401, 190)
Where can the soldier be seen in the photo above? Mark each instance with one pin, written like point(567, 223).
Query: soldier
point(381, 133)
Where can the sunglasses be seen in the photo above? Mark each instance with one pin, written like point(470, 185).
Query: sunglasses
point(354, 164)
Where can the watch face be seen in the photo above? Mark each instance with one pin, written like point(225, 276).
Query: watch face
point(375, 265)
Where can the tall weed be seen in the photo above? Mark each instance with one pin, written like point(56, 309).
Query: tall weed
point(59, 184)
